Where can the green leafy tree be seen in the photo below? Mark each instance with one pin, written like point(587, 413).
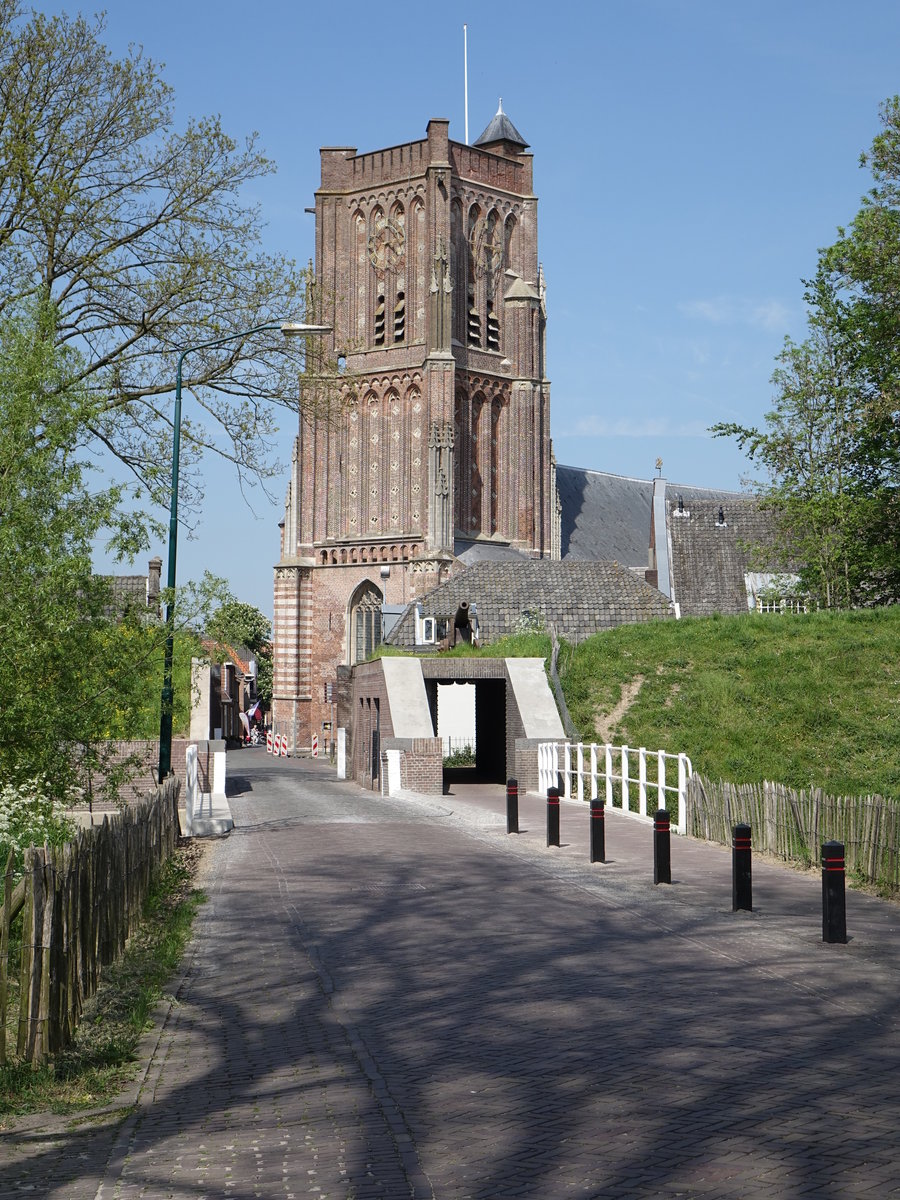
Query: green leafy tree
point(74, 673)
point(830, 448)
point(140, 236)
point(806, 450)
point(238, 624)
point(55, 679)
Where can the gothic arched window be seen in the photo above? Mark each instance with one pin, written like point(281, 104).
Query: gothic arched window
point(365, 622)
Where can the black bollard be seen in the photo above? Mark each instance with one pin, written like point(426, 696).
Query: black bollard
point(741, 877)
point(552, 816)
point(598, 832)
point(512, 806)
point(662, 857)
point(834, 907)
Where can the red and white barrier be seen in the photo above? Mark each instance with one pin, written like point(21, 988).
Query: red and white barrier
point(315, 746)
point(269, 741)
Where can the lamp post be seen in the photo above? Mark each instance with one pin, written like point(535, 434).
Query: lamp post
point(289, 329)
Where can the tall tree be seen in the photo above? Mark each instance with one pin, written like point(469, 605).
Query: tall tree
point(62, 676)
point(806, 450)
point(141, 237)
point(831, 444)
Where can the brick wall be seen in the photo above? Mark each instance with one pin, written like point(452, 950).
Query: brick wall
point(421, 764)
point(146, 754)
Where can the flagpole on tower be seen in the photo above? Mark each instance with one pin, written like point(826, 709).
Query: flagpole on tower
point(466, 76)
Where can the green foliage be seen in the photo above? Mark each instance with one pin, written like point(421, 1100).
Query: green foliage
point(464, 757)
point(70, 676)
point(804, 700)
point(831, 446)
point(236, 623)
point(30, 816)
point(239, 624)
point(139, 234)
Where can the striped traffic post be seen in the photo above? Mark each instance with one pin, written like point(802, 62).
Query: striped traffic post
point(662, 855)
point(598, 832)
point(834, 904)
point(741, 870)
point(512, 806)
point(552, 816)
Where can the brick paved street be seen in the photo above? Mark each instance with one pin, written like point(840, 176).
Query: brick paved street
point(395, 999)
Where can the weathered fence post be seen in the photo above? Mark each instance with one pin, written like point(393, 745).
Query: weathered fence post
point(834, 910)
point(552, 816)
point(512, 806)
point(662, 857)
point(598, 832)
point(741, 878)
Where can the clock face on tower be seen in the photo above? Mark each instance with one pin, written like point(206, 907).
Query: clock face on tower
point(386, 246)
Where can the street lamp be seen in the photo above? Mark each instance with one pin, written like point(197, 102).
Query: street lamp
point(289, 329)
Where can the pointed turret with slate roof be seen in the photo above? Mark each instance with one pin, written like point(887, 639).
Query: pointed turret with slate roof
point(501, 135)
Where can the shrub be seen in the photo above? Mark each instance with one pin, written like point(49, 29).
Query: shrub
point(30, 816)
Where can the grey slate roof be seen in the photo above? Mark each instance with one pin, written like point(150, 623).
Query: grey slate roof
point(501, 129)
point(474, 552)
point(709, 559)
point(578, 598)
point(604, 516)
point(608, 516)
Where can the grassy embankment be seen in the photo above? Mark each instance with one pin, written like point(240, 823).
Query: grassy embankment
point(806, 700)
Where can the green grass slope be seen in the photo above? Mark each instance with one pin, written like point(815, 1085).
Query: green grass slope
point(804, 700)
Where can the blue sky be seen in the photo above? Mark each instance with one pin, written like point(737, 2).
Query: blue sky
point(691, 156)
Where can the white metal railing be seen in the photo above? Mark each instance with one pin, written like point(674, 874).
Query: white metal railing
point(579, 770)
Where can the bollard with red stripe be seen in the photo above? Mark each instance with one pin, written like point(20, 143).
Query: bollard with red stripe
point(834, 904)
point(741, 871)
point(598, 832)
point(552, 816)
point(512, 806)
point(284, 745)
point(268, 741)
point(662, 855)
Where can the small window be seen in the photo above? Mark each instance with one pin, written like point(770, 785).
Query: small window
point(379, 322)
point(400, 317)
point(428, 630)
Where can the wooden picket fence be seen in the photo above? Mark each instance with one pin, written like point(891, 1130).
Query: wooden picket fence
point(792, 825)
point(79, 903)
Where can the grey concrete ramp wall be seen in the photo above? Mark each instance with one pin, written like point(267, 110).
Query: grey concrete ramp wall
point(405, 686)
point(534, 699)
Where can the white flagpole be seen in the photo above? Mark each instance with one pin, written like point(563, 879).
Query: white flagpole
point(466, 76)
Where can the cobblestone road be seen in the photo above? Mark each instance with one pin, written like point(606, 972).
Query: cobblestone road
point(388, 999)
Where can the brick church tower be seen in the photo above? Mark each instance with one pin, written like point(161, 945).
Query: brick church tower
point(428, 254)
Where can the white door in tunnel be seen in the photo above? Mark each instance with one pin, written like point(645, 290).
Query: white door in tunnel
point(456, 716)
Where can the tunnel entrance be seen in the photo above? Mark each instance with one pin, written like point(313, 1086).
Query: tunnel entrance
point(470, 719)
